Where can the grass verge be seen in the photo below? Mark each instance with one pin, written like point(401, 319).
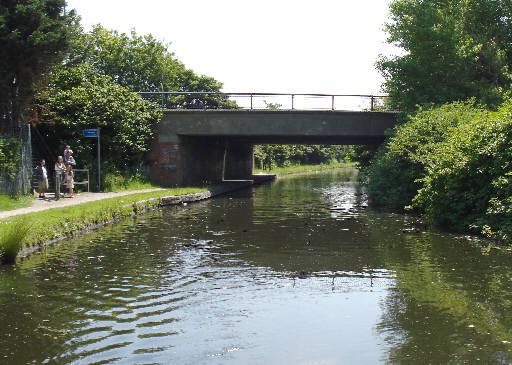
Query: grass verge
point(8, 203)
point(57, 222)
point(295, 169)
point(136, 185)
point(117, 182)
point(133, 184)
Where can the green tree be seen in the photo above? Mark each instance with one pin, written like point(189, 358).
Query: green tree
point(96, 87)
point(34, 34)
point(453, 50)
point(279, 155)
point(9, 157)
point(144, 63)
point(79, 99)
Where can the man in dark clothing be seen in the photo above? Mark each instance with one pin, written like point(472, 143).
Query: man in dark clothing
point(42, 179)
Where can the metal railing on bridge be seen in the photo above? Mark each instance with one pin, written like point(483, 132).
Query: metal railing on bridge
point(266, 101)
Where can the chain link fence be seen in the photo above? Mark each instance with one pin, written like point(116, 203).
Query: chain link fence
point(20, 183)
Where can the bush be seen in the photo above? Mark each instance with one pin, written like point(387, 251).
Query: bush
point(79, 99)
point(454, 164)
point(116, 181)
point(391, 180)
point(467, 184)
point(395, 174)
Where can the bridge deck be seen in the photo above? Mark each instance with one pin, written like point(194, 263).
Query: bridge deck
point(277, 126)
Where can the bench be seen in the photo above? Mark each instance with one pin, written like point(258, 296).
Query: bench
point(84, 181)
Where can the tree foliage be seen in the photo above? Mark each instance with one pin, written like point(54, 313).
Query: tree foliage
point(270, 156)
point(9, 157)
point(454, 164)
point(453, 50)
point(468, 180)
point(450, 162)
point(143, 63)
point(96, 87)
point(79, 99)
point(34, 34)
point(394, 174)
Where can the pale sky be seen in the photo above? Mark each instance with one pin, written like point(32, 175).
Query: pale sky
point(289, 46)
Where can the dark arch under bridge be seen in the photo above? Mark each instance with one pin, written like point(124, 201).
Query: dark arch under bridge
point(197, 146)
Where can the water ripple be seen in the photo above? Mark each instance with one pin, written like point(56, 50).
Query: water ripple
point(294, 272)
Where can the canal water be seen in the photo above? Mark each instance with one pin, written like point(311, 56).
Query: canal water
point(298, 271)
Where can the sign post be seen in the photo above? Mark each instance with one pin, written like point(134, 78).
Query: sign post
point(95, 133)
point(57, 184)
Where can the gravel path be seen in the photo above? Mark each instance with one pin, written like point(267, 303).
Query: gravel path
point(49, 203)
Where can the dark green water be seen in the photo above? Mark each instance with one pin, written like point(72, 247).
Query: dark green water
point(234, 280)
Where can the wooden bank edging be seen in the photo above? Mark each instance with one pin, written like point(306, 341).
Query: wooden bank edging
point(147, 205)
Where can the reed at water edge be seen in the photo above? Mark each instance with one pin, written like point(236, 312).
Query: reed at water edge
point(12, 239)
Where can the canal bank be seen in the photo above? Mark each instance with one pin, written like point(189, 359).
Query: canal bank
point(52, 225)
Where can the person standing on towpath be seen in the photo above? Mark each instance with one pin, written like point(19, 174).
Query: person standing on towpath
point(42, 178)
point(60, 169)
point(68, 179)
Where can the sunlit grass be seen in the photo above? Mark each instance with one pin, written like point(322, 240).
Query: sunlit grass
point(117, 182)
point(52, 223)
point(303, 168)
point(9, 203)
point(136, 185)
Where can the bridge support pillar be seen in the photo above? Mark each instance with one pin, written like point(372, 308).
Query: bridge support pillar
point(187, 162)
point(238, 161)
point(198, 161)
point(202, 161)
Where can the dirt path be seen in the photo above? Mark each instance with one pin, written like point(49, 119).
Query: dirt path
point(49, 203)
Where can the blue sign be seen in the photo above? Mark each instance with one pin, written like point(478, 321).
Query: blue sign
point(90, 133)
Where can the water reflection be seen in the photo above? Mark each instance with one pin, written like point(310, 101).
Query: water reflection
point(451, 304)
point(294, 272)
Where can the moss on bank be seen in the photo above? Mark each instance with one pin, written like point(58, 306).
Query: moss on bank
point(55, 223)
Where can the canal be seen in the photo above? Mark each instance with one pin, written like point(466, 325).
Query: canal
point(298, 271)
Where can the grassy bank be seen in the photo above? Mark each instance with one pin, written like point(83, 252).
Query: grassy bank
point(58, 222)
point(8, 203)
point(296, 169)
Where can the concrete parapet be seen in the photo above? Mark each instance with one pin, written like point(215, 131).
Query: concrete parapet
point(282, 126)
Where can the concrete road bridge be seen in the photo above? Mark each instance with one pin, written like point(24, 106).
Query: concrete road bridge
point(197, 143)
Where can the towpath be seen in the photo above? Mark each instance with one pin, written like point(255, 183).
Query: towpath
point(49, 203)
